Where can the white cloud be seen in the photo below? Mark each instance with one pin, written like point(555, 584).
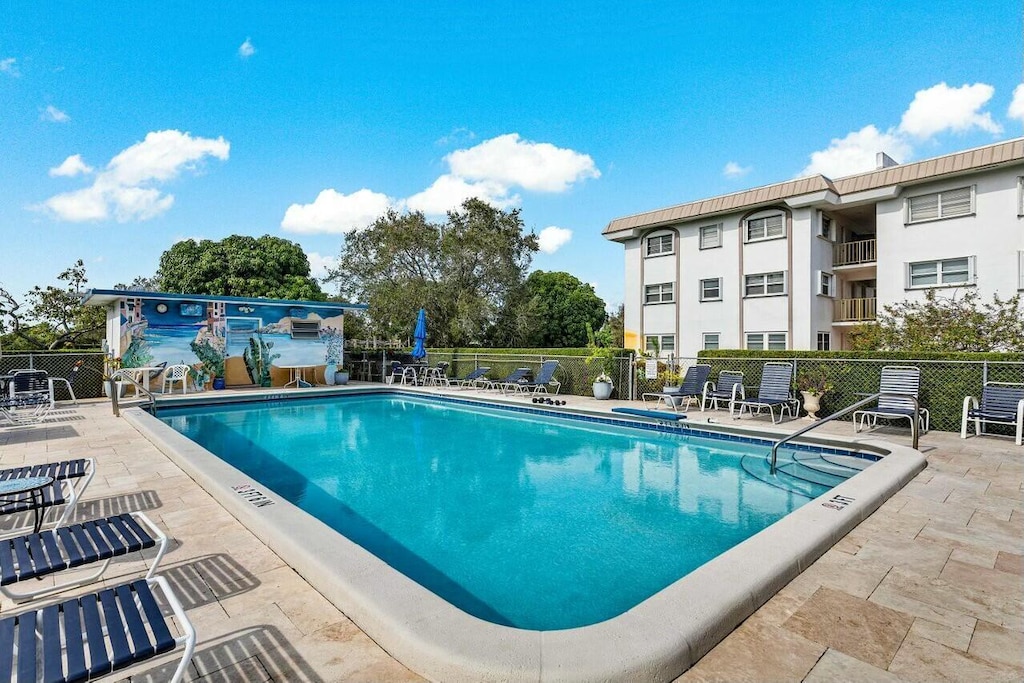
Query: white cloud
point(1016, 110)
point(553, 238)
point(71, 166)
point(449, 191)
point(941, 108)
point(856, 152)
point(319, 264)
point(734, 170)
point(125, 187)
point(53, 115)
point(334, 212)
point(536, 166)
point(458, 136)
point(9, 66)
point(246, 49)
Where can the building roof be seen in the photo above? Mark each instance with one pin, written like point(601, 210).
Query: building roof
point(969, 160)
point(103, 297)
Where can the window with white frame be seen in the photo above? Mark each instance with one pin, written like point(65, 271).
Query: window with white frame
point(711, 289)
point(659, 294)
point(659, 245)
point(945, 273)
point(824, 341)
point(947, 204)
point(765, 284)
point(660, 343)
point(711, 236)
point(825, 227)
point(826, 283)
point(766, 341)
point(711, 340)
point(765, 227)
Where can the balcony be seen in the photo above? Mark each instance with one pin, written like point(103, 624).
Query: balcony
point(854, 253)
point(854, 310)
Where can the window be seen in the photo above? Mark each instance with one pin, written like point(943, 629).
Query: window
point(659, 294)
point(947, 273)
point(824, 341)
point(1020, 196)
point(660, 245)
point(825, 229)
point(765, 284)
point(826, 283)
point(765, 228)
point(771, 341)
point(660, 343)
point(711, 289)
point(930, 207)
point(711, 236)
point(711, 341)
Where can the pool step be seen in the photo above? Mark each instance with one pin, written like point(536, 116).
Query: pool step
point(804, 473)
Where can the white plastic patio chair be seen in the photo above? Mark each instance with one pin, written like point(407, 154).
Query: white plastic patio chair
point(176, 373)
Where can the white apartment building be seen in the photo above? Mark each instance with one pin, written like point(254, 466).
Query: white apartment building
point(796, 264)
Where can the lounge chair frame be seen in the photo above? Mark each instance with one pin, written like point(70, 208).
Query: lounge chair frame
point(545, 378)
point(729, 387)
point(475, 377)
point(895, 380)
point(71, 478)
point(776, 391)
point(691, 389)
point(1001, 403)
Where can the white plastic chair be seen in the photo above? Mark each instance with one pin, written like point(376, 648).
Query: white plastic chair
point(176, 373)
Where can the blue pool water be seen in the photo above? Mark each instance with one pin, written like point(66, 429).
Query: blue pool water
point(523, 520)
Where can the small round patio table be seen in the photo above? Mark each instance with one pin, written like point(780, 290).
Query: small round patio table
point(22, 489)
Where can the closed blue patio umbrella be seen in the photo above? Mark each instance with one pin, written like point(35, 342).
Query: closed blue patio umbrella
point(419, 350)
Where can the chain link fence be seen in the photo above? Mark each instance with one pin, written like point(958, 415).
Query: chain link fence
point(88, 383)
point(574, 373)
point(944, 383)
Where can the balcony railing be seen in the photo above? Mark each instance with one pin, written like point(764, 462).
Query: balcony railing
point(854, 310)
point(851, 253)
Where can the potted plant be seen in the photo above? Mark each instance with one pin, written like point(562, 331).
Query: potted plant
point(813, 384)
point(210, 352)
point(341, 375)
point(334, 342)
point(112, 383)
point(673, 382)
point(604, 359)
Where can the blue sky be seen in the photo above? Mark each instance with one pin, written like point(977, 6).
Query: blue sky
point(127, 126)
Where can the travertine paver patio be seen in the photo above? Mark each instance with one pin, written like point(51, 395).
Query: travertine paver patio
point(930, 587)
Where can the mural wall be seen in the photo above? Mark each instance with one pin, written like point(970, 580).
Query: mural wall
point(215, 333)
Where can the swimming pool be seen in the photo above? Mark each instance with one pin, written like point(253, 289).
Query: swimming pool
point(647, 486)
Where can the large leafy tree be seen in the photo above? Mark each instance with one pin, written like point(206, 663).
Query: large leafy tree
point(465, 271)
point(239, 265)
point(938, 323)
point(563, 307)
point(52, 317)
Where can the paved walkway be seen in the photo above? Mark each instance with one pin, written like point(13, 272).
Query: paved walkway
point(930, 587)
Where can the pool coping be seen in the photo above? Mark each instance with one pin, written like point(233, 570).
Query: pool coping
point(655, 640)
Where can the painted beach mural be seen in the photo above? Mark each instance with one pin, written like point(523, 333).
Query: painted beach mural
point(247, 342)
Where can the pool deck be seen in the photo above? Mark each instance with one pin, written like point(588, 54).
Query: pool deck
point(929, 587)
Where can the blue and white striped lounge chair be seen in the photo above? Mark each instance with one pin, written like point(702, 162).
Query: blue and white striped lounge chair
point(729, 387)
point(1001, 403)
point(20, 411)
point(775, 392)
point(89, 636)
point(545, 378)
point(896, 379)
point(516, 376)
point(74, 547)
point(474, 378)
point(690, 389)
point(70, 479)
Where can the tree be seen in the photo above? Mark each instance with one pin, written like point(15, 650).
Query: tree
point(464, 272)
point(564, 307)
point(239, 265)
point(141, 283)
point(938, 324)
point(52, 317)
point(614, 331)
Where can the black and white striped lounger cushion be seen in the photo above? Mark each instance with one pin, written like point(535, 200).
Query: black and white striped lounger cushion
point(35, 555)
point(86, 637)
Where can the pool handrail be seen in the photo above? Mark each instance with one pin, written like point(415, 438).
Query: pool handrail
point(914, 428)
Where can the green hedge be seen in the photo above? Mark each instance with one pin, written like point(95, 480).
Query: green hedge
point(864, 355)
point(582, 351)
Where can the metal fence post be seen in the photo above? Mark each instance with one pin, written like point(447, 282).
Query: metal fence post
point(984, 373)
point(632, 376)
